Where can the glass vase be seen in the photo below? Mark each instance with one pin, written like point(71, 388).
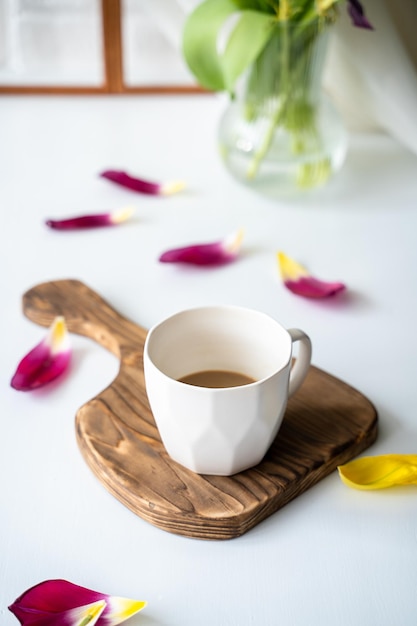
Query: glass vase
point(281, 133)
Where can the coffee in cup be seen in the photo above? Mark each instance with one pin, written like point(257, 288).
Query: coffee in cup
point(218, 379)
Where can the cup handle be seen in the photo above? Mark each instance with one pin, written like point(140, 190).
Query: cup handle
point(302, 363)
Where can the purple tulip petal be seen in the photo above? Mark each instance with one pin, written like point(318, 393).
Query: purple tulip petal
point(78, 616)
point(140, 185)
point(48, 360)
point(358, 16)
point(217, 253)
point(312, 288)
point(91, 221)
point(61, 603)
point(297, 279)
point(89, 614)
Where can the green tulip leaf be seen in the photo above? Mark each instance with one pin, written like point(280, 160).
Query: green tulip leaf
point(247, 40)
point(213, 69)
point(257, 5)
point(200, 39)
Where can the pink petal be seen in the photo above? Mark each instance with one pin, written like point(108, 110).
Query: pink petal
point(88, 614)
point(297, 279)
point(91, 221)
point(216, 253)
point(46, 361)
point(312, 288)
point(60, 603)
point(140, 185)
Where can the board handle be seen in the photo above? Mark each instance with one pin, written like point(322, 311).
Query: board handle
point(85, 312)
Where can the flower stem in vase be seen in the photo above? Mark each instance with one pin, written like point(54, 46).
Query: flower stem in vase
point(290, 70)
point(279, 109)
point(286, 137)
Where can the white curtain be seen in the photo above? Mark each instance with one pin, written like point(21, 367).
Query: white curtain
point(372, 75)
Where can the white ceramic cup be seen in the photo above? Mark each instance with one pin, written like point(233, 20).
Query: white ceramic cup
point(221, 431)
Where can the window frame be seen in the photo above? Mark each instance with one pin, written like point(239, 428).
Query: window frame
point(111, 16)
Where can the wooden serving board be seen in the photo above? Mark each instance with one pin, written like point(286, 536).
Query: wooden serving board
point(326, 424)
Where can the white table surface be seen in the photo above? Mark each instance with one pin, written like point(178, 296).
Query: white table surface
point(334, 556)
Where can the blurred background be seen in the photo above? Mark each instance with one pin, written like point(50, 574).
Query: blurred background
point(60, 42)
point(122, 46)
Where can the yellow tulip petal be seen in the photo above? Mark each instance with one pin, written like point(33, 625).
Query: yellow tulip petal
point(380, 472)
point(83, 615)
point(120, 609)
point(289, 268)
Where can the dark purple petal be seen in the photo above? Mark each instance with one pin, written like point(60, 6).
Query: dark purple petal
point(89, 614)
point(54, 603)
point(90, 221)
point(48, 597)
point(140, 185)
point(198, 254)
point(217, 253)
point(46, 361)
point(310, 287)
point(357, 15)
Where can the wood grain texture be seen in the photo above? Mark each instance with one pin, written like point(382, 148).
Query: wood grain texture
point(326, 424)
